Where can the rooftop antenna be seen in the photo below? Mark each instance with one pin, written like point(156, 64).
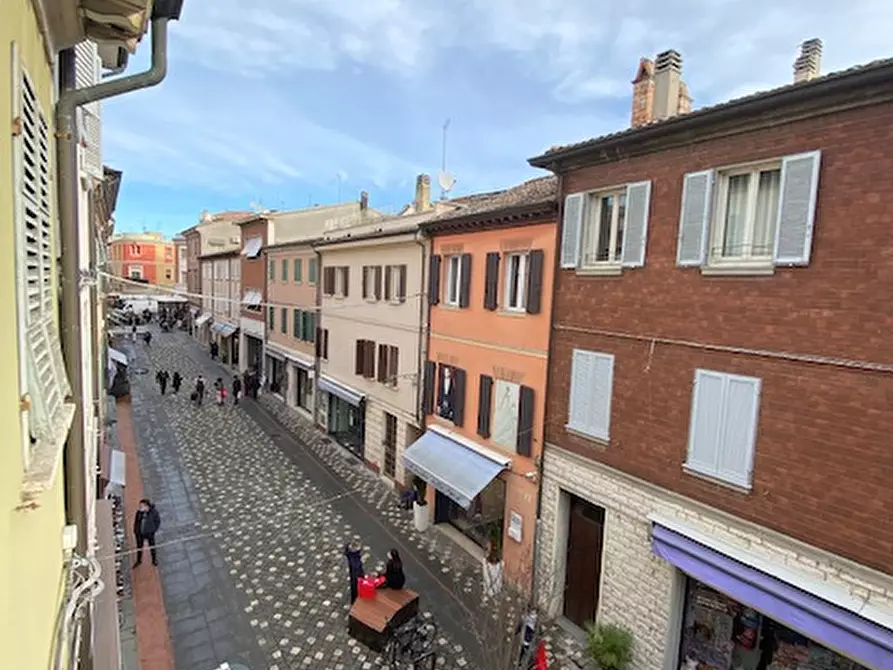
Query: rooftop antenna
point(445, 179)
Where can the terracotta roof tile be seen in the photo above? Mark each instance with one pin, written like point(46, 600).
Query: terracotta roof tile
point(532, 192)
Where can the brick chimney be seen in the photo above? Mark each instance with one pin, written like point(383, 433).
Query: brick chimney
point(364, 201)
point(809, 63)
point(643, 93)
point(422, 202)
point(667, 84)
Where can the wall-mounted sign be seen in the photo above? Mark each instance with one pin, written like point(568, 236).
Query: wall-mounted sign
point(515, 524)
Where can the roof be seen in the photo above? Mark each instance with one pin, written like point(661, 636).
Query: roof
point(392, 226)
point(219, 254)
point(879, 71)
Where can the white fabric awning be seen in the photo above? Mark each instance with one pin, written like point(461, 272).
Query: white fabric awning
point(252, 247)
point(252, 298)
point(118, 468)
point(202, 320)
point(117, 356)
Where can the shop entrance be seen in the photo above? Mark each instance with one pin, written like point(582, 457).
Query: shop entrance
point(583, 564)
point(481, 523)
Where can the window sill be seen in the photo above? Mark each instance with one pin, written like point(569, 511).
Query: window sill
point(576, 432)
point(448, 305)
point(738, 270)
point(46, 456)
point(601, 271)
point(512, 313)
point(714, 479)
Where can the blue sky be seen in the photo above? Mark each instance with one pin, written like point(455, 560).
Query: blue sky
point(278, 102)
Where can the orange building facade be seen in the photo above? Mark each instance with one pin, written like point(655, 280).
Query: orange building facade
point(490, 289)
point(144, 257)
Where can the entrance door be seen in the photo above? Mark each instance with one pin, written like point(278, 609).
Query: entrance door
point(585, 539)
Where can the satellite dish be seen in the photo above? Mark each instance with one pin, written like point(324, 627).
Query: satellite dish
point(446, 181)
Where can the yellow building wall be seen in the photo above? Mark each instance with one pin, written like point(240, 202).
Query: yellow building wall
point(31, 561)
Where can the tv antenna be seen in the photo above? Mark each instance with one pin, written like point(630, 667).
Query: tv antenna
point(445, 179)
point(257, 206)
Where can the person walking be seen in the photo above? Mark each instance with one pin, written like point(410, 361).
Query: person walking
point(354, 556)
point(162, 378)
point(176, 381)
point(146, 523)
point(133, 332)
point(237, 390)
point(214, 351)
point(199, 390)
point(219, 391)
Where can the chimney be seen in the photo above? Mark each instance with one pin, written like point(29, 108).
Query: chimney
point(643, 93)
point(422, 202)
point(364, 201)
point(667, 80)
point(809, 63)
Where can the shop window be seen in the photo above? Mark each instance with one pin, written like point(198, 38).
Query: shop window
point(451, 393)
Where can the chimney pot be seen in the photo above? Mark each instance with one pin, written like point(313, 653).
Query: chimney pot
point(809, 62)
point(667, 84)
point(364, 201)
point(643, 93)
point(422, 201)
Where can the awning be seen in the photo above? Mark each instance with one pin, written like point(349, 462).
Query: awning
point(281, 352)
point(346, 393)
point(252, 298)
point(117, 356)
point(202, 320)
point(224, 329)
point(117, 468)
point(812, 608)
point(451, 467)
point(252, 247)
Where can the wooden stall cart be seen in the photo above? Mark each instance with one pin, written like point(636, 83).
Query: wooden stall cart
point(372, 620)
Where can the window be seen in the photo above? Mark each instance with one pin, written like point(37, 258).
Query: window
point(395, 283)
point(304, 390)
point(390, 444)
point(252, 247)
point(372, 282)
point(322, 343)
point(516, 282)
point(311, 271)
point(388, 364)
point(135, 250)
point(746, 212)
point(271, 318)
point(453, 280)
point(342, 281)
point(168, 273)
point(283, 320)
point(272, 271)
point(450, 393)
point(723, 427)
point(298, 270)
point(309, 326)
point(505, 420)
point(284, 270)
point(135, 271)
point(364, 362)
point(603, 228)
point(592, 382)
point(298, 324)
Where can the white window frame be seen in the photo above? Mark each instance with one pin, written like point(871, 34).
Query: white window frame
point(716, 229)
point(134, 271)
point(519, 304)
point(453, 280)
point(592, 227)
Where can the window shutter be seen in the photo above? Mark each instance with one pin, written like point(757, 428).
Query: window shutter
point(311, 326)
point(388, 282)
point(491, 280)
point(360, 357)
point(694, 219)
point(401, 284)
point(459, 396)
point(370, 360)
point(382, 362)
point(635, 226)
point(393, 365)
point(739, 431)
point(365, 281)
point(485, 401)
point(377, 279)
point(589, 405)
point(318, 347)
point(465, 281)
point(328, 281)
point(346, 271)
point(572, 230)
point(536, 263)
point(325, 343)
point(428, 389)
point(434, 280)
point(298, 325)
point(705, 425)
point(796, 209)
point(525, 421)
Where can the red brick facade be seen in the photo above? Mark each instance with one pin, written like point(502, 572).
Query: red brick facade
point(254, 270)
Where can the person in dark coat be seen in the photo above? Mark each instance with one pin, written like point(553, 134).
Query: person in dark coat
point(394, 578)
point(237, 390)
point(146, 523)
point(199, 390)
point(162, 378)
point(176, 381)
point(354, 556)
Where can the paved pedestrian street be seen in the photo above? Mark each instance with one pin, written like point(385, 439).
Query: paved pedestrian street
point(253, 527)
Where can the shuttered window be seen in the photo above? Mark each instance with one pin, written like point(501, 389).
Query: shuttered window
point(298, 270)
point(271, 316)
point(723, 426)
point(491, 281)
point(465, 281)
point(589, 405)
point(388, 364)
point(376, 279)
point(360, 357)
point(525, 421)
point(298, 324)
point(536, 264)
point(428, 390)
point(434, 280)
point(401, 283)
point(571, 230)
point(365, 359)
point(88, 73)
point(322, 343)
point(328, 281)
point(390, 444)
point(311, 271)
point(283, 321)
point(485, 405)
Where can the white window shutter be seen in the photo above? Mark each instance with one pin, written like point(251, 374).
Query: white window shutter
point(601, 390)
point(739, 432)
point(705, 426)
point(694, 218)
point(46, 400)
point(571, 230)
point(635, 227)
point(578, 403)
point(796, 208)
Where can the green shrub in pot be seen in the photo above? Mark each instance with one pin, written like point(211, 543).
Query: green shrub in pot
point(609, 646)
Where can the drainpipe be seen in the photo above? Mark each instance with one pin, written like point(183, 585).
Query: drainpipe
point(537, 538)
point(317, 360)
point(424, 327)
point(70, 100)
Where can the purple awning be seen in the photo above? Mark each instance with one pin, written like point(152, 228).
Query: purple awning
point(835, 627)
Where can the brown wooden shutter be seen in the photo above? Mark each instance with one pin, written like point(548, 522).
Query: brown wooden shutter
point(388, 282)
point(465, 281)
point(485, 400)
point(393, 365)
point(328, 281)
point(325, 345)
point(318, 347)
point(525, 421)
point(360, 357)
point(491, 281)
point(346, 271)
point(536, 263)
point(459, 396)
point(370, 360)
point(377, 281)
point(365, 282)
point(434, 280)
point(382, 362)
point(401, 283)
point(428, 389)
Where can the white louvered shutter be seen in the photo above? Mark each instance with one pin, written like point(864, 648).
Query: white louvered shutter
point(796, 208)
point(88, 73)
point(601, 390)
point(579, 401)
point(705, 427)
point(635, 225)
point(571, 230)
point(739, 430)
point(697, 200)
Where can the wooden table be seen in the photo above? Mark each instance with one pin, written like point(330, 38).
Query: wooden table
point(371, 620)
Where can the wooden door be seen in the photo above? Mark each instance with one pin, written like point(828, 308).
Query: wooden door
point(585, 539)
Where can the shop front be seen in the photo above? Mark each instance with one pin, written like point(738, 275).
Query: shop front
point(742, 612)
point(254, 353)
point(277, 374)
point(346, 415)
point(227, 339)
point(202, 331)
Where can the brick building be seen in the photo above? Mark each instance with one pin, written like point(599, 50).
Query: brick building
point(254, 312)
point(144, 257)
point(719, 395)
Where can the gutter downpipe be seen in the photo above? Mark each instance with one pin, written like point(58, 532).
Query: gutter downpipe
point(317, 359)
point(424, 329)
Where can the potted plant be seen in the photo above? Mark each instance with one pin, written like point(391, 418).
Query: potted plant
point(420, 505)
point(609, 646)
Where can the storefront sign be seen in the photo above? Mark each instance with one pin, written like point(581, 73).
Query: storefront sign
point(515, 524)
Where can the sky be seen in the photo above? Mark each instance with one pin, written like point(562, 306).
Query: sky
point(283, 104)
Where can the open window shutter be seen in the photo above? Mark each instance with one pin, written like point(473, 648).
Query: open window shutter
point(525, 421)
point(635, 226)
point(694, 218)
point(346, 271)
point(388, 282)
point(428, 389)
point(601, 391)
point(459, 396)
point(328, 281)
point(491, 280)
point(796, 208)
point(377, 278)
point(434, 280)
point(401, 284)
point(318, 347)
point(571, 230)
point(578, 402)
point(325, 343)
point(393, 365)
point(465, 281)
point(739, 430)
point(370, 360)
point(485, 405)
point(705, 425)
point(536, 263)
point(360, 357)
point(365, 282)
point(382, 362)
